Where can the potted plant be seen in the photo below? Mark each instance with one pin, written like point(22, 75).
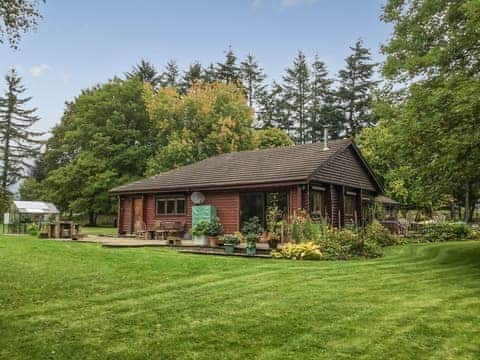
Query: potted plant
point(274, 222)
point(252, 230)
point(251, 243)
point(199, 233)
point(213, 229)
point(230, 241)
point(273, 239)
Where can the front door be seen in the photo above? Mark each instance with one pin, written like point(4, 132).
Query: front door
point(137, 216)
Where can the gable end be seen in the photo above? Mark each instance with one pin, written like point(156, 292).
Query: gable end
point(349, 169)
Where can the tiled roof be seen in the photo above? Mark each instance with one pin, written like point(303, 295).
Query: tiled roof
point(293, 163)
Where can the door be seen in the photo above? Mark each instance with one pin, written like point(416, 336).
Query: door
point(137, 215)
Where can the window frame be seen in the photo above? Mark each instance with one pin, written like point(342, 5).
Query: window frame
point(321, 192)
point(168, 198)
point(351, 196)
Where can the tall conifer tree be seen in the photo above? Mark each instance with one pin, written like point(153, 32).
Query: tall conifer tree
point(252, 76)
point(146, 72)
point(18, 143)
point(193, 73)
point(228, 71)
point(171, 74)
point(296, 91)
point(356, 89)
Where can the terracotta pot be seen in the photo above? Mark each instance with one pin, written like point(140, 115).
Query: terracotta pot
point(212, 241)
point(272, 243)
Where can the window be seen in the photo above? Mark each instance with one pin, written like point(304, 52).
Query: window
point(317, 203)
point(252, 204)
point(171, 205)
point(350, 205)
point(161, 206)
point(258, 204)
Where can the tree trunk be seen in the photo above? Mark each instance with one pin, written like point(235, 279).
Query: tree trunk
point(467, 214)
point(473, 202)
point(92, 219)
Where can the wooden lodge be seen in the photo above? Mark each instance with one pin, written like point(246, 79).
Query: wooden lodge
point(333, 183)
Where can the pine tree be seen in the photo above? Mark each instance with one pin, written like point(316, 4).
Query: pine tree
point(228, 71)
point(252, 76)
point(17, 142)
point(171, 74)
point(356, 89)
point(209, 74)
point(296, 90)
point(322, 109)
point(193, 73)
point(267, 107)
point(146, 72)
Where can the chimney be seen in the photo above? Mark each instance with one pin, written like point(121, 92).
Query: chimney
point(325, 138)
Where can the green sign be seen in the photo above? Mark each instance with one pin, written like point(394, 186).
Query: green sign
point(203, 212)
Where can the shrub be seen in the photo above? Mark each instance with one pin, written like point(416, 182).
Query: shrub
point(304, 251)
point(347, 243)
point(252, 226)
point(231, 240)
point(304, 229)
point(214, 228)
point(33, 229)
point(251, 240)
point(200, 228)
point(377, 233)
point(447, 232)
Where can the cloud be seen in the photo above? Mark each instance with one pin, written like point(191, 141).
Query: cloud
point(39, 70)
point(282, 4)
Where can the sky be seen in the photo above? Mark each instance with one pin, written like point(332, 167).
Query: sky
point(82, 43)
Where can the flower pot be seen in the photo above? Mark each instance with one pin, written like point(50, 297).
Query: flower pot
point(200, 240)
point(251, 251)
point(272, 243)
point(212, 241)
point(229, 248)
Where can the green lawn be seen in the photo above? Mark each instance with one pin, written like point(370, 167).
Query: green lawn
point(98, 230)
point(68, 300)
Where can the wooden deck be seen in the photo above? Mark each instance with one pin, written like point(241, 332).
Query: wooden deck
point(186, 247)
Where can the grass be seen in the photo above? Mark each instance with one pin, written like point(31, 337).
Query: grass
point(98, 230)
point(68, 300)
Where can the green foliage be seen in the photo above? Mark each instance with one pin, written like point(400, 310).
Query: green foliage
point(356, 89)
point(209, 119)
point(377, 233)
point(251, 239)
point(18, 142)
point(269, 138)
point(347, 243)
point(231, 240)
point(103, 140)
point(342, 243)
point(17, 17)
point(445, 231)
point(146, 72)
point(431, 125)
point(252, 226)
point(252, 76)
point(304, 251)
point(33, 229)
point(200, 228)
point(214, 228)
point(304, 229)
